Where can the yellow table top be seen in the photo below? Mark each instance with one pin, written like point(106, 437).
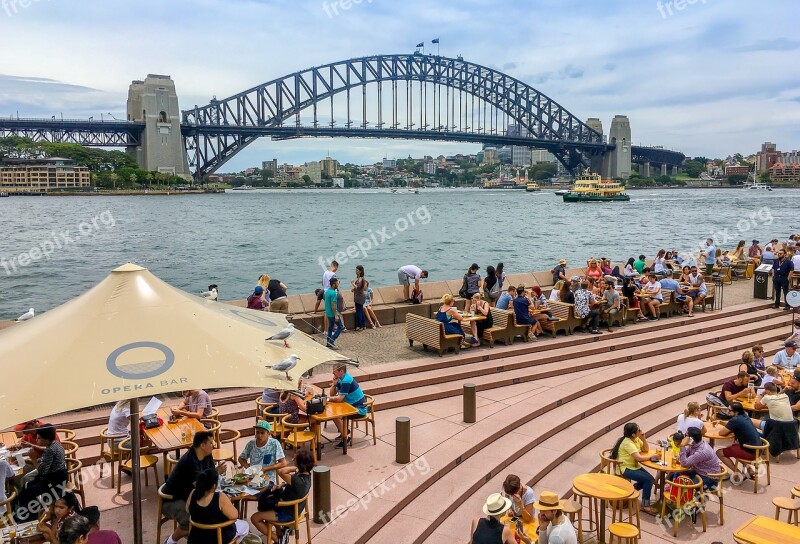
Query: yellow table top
point(669, 467)
point(528, 528)
point(764, 530)
point(603, 486)
point(712, 431)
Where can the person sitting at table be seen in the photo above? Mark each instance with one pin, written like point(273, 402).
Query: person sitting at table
point(490, 530)
point(566, 294)
point(593, 270)
point(263, 451)
point(62, 509)
point(480, 307)
point(28, 430)
point(778, 405)
point(690, 418)
point(758, 359)
point(698, 455)
point(522, 498)
point(97, 535)
point(612, 303)
point(448, 314)
point(119, 421)
point(554, 292)
point(291, 405)
point(748, 366)
point(745, 433)
point(345, 388)
point(540, 312)
point(772, 376)
point(788, 357)
point(208, 506)
point(697, 287)
point(181, 480)
point(506, 297)
point(652, 298)
point(522, 313)
point(296, 485)
point(5, 472)
point(196, 404)
point(554, 527)
point(630, 450)
point(735, 389)
point(792, 390)
point(585, 308)
point(51, 474)
point(76, 530)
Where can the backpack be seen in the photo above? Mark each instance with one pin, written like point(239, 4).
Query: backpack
point(672, 494)
point(416, 296)
point(494, 292)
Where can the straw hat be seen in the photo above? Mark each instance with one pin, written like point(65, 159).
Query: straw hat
point(496, 505)
point(562, 261)
point(548, 501)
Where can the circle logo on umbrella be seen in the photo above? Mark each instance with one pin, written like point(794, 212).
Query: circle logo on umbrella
point(140, 360)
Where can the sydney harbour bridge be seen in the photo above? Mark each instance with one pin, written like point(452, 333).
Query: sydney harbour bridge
point(406, 96)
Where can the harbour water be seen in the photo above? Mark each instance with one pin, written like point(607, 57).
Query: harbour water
point(52, 249)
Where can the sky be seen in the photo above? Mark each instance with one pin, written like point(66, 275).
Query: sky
point(705, 77)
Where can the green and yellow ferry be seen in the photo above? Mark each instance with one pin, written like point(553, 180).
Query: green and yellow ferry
point(591, 187)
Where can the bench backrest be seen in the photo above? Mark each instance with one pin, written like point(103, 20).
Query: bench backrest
point(500, 317)
point(561, 310)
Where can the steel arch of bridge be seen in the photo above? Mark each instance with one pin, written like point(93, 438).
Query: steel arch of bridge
point(216, 132)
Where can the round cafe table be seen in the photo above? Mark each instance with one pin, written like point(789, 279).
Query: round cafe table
point(670, 465)
point(712, 431)
point(604, 487)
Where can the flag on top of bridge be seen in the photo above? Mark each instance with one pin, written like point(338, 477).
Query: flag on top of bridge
point(435, 40)
point(421, 44)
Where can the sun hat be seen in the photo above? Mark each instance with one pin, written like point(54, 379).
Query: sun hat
point(263, 424)
point(496, 504)
point(548, 501)
point(562, 261)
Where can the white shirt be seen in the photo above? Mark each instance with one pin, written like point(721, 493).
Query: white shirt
point(654, 290)
point(658, 266)
point(559, 534)
point(764, 381)
point(119, 421)
point(684, 423)
point(5, 472)
point(413, 272)
point(554, 295)
point(326, 279)
point(796, 261)
point(630, 271)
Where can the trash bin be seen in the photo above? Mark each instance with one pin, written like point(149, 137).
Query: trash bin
point(761, 282)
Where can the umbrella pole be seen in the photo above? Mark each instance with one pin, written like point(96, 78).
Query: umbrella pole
point(135, 475)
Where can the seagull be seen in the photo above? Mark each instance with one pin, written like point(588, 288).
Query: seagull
point(212, 295)
point(286, 365)
point(26, 316)
point(283, 335)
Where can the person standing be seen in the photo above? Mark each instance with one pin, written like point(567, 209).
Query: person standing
point(279, 302)
point(782, 269)
point(335, 325)
point(501, 275)
point(359, 297)
point(326, 283)
point(560, 271)
point(710, 256)
point(407, 273)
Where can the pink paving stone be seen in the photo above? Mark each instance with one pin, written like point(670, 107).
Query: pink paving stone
point(396, 531)
point(449, 406)
point(427, 436)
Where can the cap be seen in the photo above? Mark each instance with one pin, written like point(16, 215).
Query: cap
point(790, 345)
point(258, 290)
point(755, 241)
point(575, 278)
point(474, 265)
point(262, 424)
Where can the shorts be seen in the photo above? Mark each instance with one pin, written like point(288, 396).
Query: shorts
point(320, 294)
point(284, 515)
point(402, 277)
point(176, 510)
point(736, 451)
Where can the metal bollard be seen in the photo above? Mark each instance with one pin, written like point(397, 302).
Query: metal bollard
point(322, 493)
point(403, 433)
point(469, 403)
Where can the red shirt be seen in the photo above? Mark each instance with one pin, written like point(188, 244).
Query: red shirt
point(104, 537)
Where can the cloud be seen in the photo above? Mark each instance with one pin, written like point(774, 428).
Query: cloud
point(777, 44)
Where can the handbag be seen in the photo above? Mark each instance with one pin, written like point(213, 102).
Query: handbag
point(463, 291)
point(315, 405)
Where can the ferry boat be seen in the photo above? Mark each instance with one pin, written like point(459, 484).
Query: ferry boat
point(591, 187)
point(242, 188)
point(505, 183)
point(4, 194)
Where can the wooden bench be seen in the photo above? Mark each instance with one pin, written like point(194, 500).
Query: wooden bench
point(669, 305)
point(709, 300)
point(504, 328)
point(567, 321)
point(430, 333)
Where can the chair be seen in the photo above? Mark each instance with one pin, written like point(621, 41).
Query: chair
point(298, 517)
point(219, 454)
point(218, 527)
point(161, 518)
point(696, 503)
point(762, 458)
point(230, 436)
point(631, 504)
point(145, 462)
point(75, 479)
point(65, 434)
point(170, 460)
point(719, 492)
point(70, 449)
point(624, 533)
point(368, 419)
point(592, 523)
point(214, 415)
point(276, 423)
point(792, 506)
point(261, 406)
point(574, 510)
point(6, 519)
point(298, 433)
point(607, 464)
point(110, 442)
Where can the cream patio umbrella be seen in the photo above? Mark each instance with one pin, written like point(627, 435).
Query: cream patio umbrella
point(133, 335)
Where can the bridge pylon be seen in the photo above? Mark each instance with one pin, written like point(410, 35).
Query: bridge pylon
point(618, 160)
point(154, 101)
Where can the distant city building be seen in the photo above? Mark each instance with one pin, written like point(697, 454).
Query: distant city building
point(479, 157)
point(389, 164)
point(769, 156)
point(504, 154)
point(43, 175)
point(737, 170)
point(430, 168)
point(338, 182)
point(785, 172)
point(539, 156)
point(250, 171)
point(328, 167)
point(270, 165)
point(314, 171)
point(490, 156)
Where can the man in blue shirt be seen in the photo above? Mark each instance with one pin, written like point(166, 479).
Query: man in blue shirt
point(788, 357)
point(345, 388)
point(332, 313)
point(710, 257)
point(506, 297)
point(782, 268)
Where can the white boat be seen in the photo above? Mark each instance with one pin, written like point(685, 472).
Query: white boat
point(757, 186)
point(242, 188)
point(562, 192)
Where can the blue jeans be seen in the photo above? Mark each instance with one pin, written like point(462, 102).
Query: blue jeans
point(333, 324)
point(642, 480)
point(361, 318)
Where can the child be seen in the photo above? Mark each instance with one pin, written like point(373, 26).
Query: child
point(370, 313)
point(796, 333)
point(64, 507)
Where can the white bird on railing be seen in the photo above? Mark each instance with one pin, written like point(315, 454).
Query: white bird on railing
point(283, 335)
point(286, 365)
point(212, 295)
point(26, 316)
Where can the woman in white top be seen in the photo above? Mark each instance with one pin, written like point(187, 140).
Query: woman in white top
point(690, 418)
point(658, 264)
point(119, 421)
point(630, 271)
point(556, 288)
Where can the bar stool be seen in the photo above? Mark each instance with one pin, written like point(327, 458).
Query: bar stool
point(624, 533)
point(631, 504)
point(592, 504)
point(574, 510)
point(790, 505)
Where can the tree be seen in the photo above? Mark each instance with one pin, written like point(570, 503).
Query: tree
point(763, 177)
point(737, 179)
point(307, 179)
point(694, 168)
